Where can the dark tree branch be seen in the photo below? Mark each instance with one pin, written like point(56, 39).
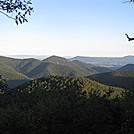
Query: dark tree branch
point(19, 9)
point(129, 39)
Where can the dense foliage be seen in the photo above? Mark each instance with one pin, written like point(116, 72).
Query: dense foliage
point(54, 105)
point(16, 9)
point(84, 85)
point(3, 85)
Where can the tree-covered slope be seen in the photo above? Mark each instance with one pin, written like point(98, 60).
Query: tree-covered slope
point(57, 105)
point(10, 61)
point(13, 77)
point(126, 67)
point(74, 83)
point(86, 69)
point(65, 62)
point(48, 69)
point(9, 74)
point(91, 68)
point(20, 65)
point(124, 79)
point(53, 65)
point(27, 65)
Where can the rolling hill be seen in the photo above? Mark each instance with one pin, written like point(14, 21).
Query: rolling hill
point(124, 79)
point(13, 77)
point(77, 65)
point(54, 65)
point(71, 83)
point(126, 67)
point(91, 68)
point(50, 69)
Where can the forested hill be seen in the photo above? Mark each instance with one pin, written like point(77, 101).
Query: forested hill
point(77, 65)
point(124, 79)
point(13, 77)
point(64, 105)
point(126, 67)
point(71, 83)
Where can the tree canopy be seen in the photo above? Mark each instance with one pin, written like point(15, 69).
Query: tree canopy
point(17, 10)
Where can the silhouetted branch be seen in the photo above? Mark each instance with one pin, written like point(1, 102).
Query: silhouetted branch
point(17, 10)
point(129, 39)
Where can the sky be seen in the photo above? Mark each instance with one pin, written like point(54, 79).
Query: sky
point(94, 28)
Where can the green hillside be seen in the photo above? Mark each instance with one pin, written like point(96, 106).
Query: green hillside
point(91, 68)
point(48, 69)
point(10, 61)
point(11, 75)
point(27, 65)
point(85, 69)
point(53, 65)
point(60, 61)
point(21, 65)
point(124, 79)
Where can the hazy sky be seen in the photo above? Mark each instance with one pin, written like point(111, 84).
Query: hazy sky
point(71, 28)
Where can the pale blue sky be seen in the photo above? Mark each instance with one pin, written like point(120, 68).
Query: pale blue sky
point(71, 28)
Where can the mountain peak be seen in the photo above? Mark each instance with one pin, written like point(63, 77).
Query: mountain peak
point(56, 60)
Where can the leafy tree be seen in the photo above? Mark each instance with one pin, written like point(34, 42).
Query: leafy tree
point(3, 85)
point(17, 10)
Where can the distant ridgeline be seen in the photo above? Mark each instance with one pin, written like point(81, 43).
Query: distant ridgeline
point(17, 71)
point(106, 61)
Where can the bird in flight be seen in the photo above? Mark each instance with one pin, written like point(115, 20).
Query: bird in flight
point(129, 39)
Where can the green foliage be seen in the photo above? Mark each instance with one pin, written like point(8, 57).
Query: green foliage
point(78, 84)
point(19, 8)
point(60, 105)
point(3, 85)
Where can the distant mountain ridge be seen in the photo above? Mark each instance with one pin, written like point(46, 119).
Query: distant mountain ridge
point(54, 65)
point(106, 61)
